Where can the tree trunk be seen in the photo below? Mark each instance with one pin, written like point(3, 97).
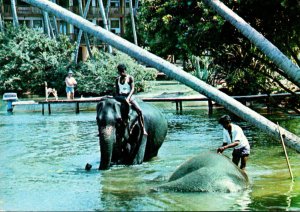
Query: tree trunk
point(55, 22)
point(83, 14)
point(50, 27)
point(102, 12)
point(46, 23)
point(55, 26)
point(1, 19)
point(86, 37)
point(107, 12)
point(171, 71)
point(136, 7)
point(80, 31)
point(1, 23)
point(14, 13)
point(291, 69)
point(133, 23)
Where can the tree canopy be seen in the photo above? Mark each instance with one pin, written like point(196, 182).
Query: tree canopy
point(190, 28)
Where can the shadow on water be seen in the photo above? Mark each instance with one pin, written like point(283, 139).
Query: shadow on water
point(42, 161)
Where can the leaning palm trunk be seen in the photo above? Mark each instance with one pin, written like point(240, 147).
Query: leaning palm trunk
point(291, 69)
point(46, 24)
point(133, 23)
point(50, 27)
point(86, 37)
point(1, 20)
point(83, 14)
point(107, 12)
point(55, 26)
point(55, 22)
point(14, 13)
point(136, 7)
point(1, 24)
point(172, 71)
point(102, 12)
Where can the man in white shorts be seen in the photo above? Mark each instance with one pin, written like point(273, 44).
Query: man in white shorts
point(70, 84)
point(234, 137)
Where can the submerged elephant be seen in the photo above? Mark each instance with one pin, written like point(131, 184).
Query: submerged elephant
point(207, 172)
point(121, 137)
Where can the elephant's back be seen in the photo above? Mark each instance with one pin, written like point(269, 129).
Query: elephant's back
point(207, 172)
point(154, 118)
point(209, 159)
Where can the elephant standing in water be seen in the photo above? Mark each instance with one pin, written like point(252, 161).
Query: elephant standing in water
point(207, 172)
point(121, 137)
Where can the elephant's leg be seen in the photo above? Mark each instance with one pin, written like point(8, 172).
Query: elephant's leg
point(139, 158)
point(141, 121)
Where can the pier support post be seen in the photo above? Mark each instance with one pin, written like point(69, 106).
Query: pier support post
point(43, 109)
point(49, 109)
point(180, 105)
point(210, 107)
point(77, 107)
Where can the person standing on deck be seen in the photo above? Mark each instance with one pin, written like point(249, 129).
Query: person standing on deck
point(70, 84)
point(233, 137)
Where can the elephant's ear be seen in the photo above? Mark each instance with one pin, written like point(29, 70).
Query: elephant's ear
point(98, 109)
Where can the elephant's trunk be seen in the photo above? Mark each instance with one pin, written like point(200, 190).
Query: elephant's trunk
point(107, 138)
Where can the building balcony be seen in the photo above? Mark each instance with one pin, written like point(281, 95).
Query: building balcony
point(93, 12)
point(22, 11)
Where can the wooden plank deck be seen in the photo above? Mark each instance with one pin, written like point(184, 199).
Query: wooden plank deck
point(177, 100)
point(68, 101)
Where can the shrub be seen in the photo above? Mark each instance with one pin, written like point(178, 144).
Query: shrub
point(97, 76)
point(28, 58)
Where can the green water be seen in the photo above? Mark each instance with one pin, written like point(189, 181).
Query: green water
point(42, 161)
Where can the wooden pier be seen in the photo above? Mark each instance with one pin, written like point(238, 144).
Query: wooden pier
point(242, 99)
point(178, 101)
point(68, 101)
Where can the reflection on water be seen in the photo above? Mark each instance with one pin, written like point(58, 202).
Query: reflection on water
point(42, 161)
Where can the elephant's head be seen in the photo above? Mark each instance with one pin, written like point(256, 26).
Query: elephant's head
point(113, 124)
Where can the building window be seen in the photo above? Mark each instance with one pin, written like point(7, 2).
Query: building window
point(115, 23)
point(37, 25)
point(63, 3)
point(76, 32)
point(63, 27)
point(21, 3)
point(100, 23)
point(115, 26)
point(127, 3)
point(115, 3)
point(25, 22)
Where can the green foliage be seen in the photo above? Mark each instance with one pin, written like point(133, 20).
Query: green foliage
point(28, 58)
point(190, 28)
point(97, 77)
point(177, 27)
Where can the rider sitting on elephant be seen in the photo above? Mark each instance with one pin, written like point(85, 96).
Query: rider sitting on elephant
point(125, 89)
